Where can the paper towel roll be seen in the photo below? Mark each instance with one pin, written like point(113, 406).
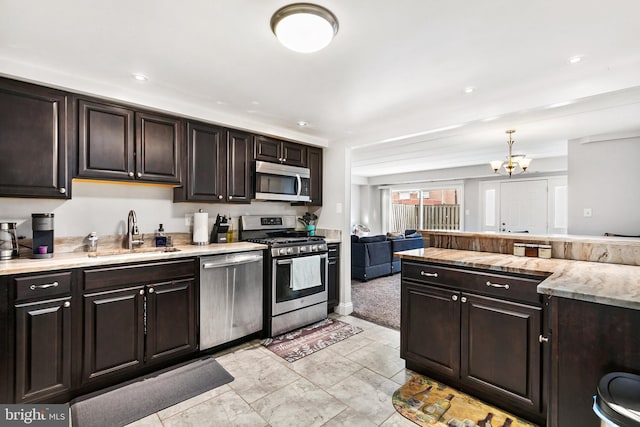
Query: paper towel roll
point(200, 228)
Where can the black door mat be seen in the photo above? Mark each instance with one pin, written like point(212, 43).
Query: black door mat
point(136, 399)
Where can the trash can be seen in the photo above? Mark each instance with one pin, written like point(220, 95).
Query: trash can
point(617, 403)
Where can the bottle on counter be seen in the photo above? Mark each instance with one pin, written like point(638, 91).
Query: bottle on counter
point(161, 239)
point(93, 244)
point(230, 231)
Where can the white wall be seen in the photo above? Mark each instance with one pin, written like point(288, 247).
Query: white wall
point(103, 207)
point(603, 177)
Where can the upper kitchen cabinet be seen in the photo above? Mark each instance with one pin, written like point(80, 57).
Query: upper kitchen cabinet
point(34, 141)
point(218, 165)
point(272, 150)
point(118, 143)
point(314, 163)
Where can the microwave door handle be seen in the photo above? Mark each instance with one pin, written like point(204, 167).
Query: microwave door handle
point(299, 184)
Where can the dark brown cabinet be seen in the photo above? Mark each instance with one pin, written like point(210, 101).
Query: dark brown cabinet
point(34, 145)
point(333, 283)
point(43, 329)
point(118, 143)
point(273, 150)
point(314, 163)
point(218, 165)
point(476, 330)
point(137, 315)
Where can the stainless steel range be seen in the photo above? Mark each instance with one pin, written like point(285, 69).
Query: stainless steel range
point(296, 272)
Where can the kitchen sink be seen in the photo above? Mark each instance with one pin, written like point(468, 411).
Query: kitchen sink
point(133, 251)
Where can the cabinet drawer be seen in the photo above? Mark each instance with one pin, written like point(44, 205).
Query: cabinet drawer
point(46, 285)
point(482, 282)
point(126, 275)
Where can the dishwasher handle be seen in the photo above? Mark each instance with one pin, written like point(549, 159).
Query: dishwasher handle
point(231, 262)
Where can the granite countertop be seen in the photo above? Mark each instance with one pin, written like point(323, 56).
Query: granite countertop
point(62, 261)
point(611, 284)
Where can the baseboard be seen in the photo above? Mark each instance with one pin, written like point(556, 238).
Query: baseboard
point(344, 309)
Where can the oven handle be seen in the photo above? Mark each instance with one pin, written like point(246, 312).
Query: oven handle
point(288, 261)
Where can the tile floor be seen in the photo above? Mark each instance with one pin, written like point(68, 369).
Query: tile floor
point(347, 384)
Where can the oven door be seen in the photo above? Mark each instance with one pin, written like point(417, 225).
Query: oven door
point(284, 297)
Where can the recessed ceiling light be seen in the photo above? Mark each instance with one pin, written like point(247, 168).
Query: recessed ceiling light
point(469, 89)
point(575, 59)
point(140, 77)
point(255, 102)
point(302, 123)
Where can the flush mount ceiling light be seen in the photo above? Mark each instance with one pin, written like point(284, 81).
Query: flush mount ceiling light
point(515, 163)
point(304, 27)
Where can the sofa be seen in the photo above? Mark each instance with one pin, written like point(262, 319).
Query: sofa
point(372, 256)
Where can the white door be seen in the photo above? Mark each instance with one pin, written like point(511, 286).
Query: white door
point(523, 207)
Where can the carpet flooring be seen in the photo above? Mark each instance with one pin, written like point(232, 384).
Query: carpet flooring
point(124, 404)
point(377, 300)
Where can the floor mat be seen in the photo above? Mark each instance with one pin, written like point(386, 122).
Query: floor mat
point(429, 403)
point(129, 402)
point(305, 341)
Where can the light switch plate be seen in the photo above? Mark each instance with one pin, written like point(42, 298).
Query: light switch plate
point(587, 212)
point(188, 219)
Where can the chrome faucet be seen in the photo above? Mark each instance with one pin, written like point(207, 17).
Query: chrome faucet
point(133, 235)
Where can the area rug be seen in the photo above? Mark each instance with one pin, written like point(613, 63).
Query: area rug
point(429, 403)
point(305, 341)
point(377, 300)
point(136, 399)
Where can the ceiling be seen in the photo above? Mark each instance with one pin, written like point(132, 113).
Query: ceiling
point(396, 71)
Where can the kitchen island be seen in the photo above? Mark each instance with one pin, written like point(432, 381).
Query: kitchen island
point(578, 328)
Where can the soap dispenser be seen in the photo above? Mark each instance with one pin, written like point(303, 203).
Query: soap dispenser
point(161, 239)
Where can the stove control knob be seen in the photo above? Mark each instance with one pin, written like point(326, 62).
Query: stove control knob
point(283, 251)
point(314, 247)
point(289, 250)
point(303, 249)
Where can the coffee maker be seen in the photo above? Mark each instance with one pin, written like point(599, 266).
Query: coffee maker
point(42, 226)
point(8, 240)
point(220, 228)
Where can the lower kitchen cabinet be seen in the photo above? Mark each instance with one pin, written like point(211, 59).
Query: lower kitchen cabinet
point(43, 329)
point(333, 282)
point(137, 315)
point(487, 345)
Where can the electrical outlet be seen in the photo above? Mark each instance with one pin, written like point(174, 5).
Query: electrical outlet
point(587, 212)
point(188, 220)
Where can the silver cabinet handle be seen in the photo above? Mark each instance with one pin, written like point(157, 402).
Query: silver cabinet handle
point(62, 190)
point(141, 292)
point(151, 290)
point(542, 339)
point(48, 285)
point(139, 174)
point(220, 197)
point(66, 304)
point(130, 173)
point(422, 273)
point(463, 299)
point(497, 285)
point(454, 297)
point(230, 197)
point(284, 160)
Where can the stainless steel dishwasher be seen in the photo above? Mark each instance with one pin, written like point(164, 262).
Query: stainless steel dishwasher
point(231, 297)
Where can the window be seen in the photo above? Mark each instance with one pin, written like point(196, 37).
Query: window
point(430, 208)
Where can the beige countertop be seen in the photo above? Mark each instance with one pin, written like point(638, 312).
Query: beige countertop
point(611, 284)
point(61, 261)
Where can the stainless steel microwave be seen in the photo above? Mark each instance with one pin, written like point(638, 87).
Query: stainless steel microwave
point(275, 181)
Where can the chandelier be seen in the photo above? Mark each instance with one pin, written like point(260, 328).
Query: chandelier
point(515, 163)
point(304, 27)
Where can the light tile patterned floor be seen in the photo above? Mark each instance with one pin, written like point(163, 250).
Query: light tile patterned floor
point(348, 384)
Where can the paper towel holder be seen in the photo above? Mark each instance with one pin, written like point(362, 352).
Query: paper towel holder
point(200, 228)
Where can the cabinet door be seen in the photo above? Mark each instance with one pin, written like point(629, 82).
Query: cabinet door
point(294, 154)
point(500, 349)
point(430, 328)
point(333, 284)
point(33, 141)
point(170, 319)
point(105, 141)
point(43, 349)
point(206, 163)
point(158, 147)
point(314, 163)
point(239, 155)
point(267, 149)
point(113, 332)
